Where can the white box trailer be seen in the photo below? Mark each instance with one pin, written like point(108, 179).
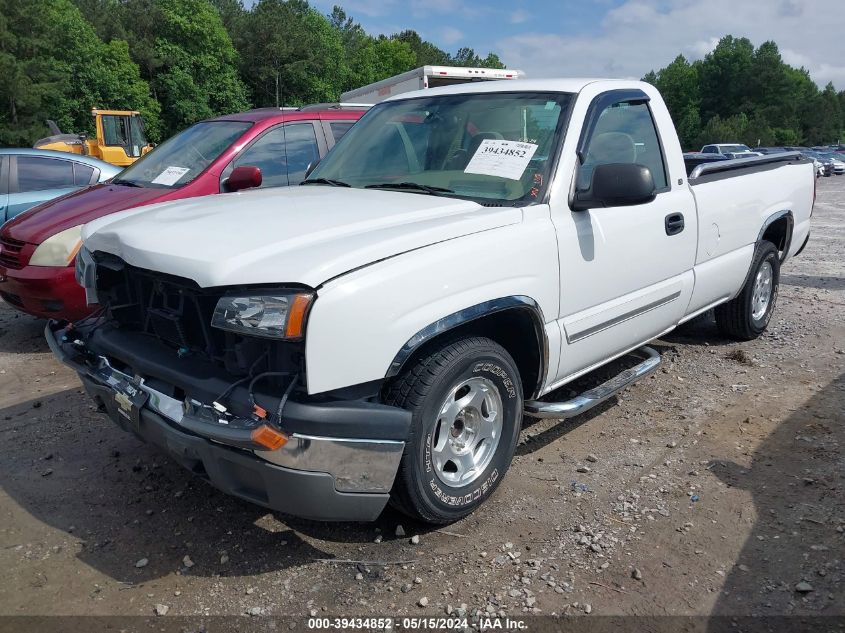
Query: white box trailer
point(425, 77)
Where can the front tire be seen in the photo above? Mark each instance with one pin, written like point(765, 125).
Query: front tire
point(747, 316)
point(466, 403)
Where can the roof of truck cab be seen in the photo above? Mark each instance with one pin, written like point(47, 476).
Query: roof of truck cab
point(570, 85)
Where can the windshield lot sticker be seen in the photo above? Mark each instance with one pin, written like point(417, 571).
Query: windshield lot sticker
point(170, 175)
point(507, 159)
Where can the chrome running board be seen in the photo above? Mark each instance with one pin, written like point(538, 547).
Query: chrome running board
point(595, 396)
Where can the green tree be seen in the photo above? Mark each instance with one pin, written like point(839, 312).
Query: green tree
point(728, 130)
point(425, 53)
point(724, 78)
point(378, 58)
point(468, 57)
point(823, 121)
point(106, 16)
point(369, 58)
point(55, 67)
point(751, 95)
point(231, 13)
point(188, 57)
point(291, 54)
point(679, 84)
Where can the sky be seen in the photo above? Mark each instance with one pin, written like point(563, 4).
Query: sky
point(613, 38)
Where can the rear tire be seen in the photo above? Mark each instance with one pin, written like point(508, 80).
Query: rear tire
point(466, 403)
point(747, 316)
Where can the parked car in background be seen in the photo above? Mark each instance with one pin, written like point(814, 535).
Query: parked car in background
point(730, 150)
point(837, 162)
point(261, 148)
point(825, 162)
point(694, 159)
point(770, 150)
point(29, 177)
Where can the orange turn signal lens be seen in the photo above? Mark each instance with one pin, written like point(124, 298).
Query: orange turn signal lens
point(269, 437)
point(296, 316)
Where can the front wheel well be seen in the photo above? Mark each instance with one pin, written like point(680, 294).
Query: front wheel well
point(518, 330)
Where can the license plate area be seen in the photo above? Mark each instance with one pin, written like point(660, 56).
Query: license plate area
point(130, 398)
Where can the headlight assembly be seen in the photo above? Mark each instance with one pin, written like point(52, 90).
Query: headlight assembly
point(58, 249)
point(271, 315)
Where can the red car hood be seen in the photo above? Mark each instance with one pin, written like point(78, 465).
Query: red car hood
point(37, 224)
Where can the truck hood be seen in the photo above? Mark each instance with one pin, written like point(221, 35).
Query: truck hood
point(38, 223)
point(304, 235)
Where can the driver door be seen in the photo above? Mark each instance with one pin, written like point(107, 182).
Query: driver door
point(625, 276)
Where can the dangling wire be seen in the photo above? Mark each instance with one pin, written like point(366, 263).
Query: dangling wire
point(237, 383)
point(285, 395)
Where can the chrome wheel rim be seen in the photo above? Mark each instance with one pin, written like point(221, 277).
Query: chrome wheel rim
point(762, 293)
point(467, 431)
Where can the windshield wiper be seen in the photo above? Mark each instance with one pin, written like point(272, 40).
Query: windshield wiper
point(325, 181)
point(414, 186)
point(128, 183)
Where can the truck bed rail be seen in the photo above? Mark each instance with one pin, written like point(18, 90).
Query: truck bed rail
point(739, 163)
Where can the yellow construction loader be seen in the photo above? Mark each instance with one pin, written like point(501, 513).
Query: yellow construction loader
point(120, 138)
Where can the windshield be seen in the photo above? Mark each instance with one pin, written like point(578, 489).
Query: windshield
point(184, 156)
point(730, 149)
point(486, 147)
point(136, 130)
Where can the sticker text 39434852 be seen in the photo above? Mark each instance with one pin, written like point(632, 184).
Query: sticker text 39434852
point(507, 159)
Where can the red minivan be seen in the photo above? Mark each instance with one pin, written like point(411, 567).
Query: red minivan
point(38, 248)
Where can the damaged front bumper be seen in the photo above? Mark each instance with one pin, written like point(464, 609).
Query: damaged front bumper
point(337, 472)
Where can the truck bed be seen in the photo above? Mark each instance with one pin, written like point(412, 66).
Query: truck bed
point(702, 170)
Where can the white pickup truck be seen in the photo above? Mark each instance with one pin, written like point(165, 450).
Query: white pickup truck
point(378, 333)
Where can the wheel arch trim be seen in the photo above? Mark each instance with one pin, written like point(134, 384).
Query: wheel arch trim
point(474, 313)
point(783, 214)
point(774, 217)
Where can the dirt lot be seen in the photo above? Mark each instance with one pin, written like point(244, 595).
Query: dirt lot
point(714, 487)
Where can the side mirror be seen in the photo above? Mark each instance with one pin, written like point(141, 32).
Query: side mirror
point(243, 177)
point(310, 168)
point(617, 185)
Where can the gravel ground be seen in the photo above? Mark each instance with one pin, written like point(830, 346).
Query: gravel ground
point(713, 487)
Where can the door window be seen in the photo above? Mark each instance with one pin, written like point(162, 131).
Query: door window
point(139, 139)
point(268, 154)
point(301, 150)
point(82, 174)
point(624, 133)
point(282, 154)
point(116, 130)
point(339, 128)
point(36, 173)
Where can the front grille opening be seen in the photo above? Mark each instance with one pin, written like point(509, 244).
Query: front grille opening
point(177, 313)
point(10, 252)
